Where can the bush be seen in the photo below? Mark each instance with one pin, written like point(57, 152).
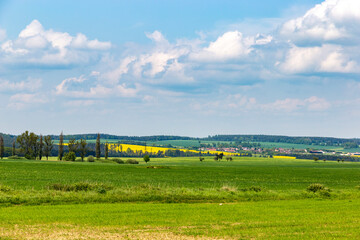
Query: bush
point(229, 159)
point(146, 158)
point(132, 161)
point(201, 159)
point(81, 186)
point(29, 157)
point(253, 189)
point(118, 160)
point(317, 187)
point(4, 188)
point(14, 157)
point(90, 158)
point(70, 156)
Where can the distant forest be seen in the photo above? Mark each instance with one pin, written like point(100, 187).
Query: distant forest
point(322, 141)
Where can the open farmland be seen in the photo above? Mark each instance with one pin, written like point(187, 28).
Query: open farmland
point(179, 198)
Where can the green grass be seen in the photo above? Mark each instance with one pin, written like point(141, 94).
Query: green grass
point(301, 219)
point(179, 198)
point(175, 180)
point(273, 174)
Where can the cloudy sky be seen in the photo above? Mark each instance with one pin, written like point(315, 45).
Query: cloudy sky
point(192, 68)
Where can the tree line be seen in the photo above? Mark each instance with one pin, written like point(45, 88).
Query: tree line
point(33, 146)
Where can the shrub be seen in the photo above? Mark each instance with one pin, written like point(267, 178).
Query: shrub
point(146, 158)
point(118, 160)
point(4, 188)
point(132, 161)
point(255, 189)
point(90, 158)
point(81, 186)
point(70, 156)
point(201, 159)
point(252, 188)
point(229, 159)
point(316, 159)
point(29, 157)
point(14, 157)
point(317, 187)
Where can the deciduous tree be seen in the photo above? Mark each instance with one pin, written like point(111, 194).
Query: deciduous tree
point(83, 149)
point(28, 144)
point(13, 152)
point(97, 147)
point(146, 158)
point(61, 146)
point(106, 150)
point(72, 145)
point(41, 146)
point(2, 149)
point(49, 144)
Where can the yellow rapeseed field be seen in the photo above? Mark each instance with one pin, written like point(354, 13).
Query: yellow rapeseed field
point(117, 147)
point(284, 157)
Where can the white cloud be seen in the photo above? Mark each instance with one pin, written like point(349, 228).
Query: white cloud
point(293, 104)
point(66, 88)
point(31, 84)
point(39, 46)
point(113, 76)
point(332, 20)
point(327, 58)
point(62, 88)
point(230, 45)
point(22, 100)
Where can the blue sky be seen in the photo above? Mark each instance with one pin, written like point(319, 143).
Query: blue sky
point(191, 68)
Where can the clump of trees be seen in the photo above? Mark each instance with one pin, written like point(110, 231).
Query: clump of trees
point(32, 145)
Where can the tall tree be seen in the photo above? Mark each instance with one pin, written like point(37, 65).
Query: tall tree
point(13, 152)
point(97, 146)
point(41, 146)
point(28, 144)
point(72, 145)
point(106, 150)
point(83, 149)
point(2, 149)
point(61, 146)
point(49, 144)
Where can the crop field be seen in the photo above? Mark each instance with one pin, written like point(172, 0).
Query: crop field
point(179, 198)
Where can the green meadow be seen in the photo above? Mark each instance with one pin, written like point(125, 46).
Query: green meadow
point(179, 198)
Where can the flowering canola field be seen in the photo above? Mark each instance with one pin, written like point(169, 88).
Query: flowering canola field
point(117, 147)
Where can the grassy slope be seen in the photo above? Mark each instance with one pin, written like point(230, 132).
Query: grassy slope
point(273, 174)
point(256, 220)
point(315, 218)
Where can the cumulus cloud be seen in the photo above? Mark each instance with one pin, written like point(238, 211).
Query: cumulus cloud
point(230, 45)
point(327, 58)
point(330, 21)
point(96, 90)
point(37, 45)
point(31, 84)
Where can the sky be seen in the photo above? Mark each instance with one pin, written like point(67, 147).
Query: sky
point(190, 68)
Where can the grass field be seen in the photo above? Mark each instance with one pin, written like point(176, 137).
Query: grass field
point(299, 219)
point(179, 198)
